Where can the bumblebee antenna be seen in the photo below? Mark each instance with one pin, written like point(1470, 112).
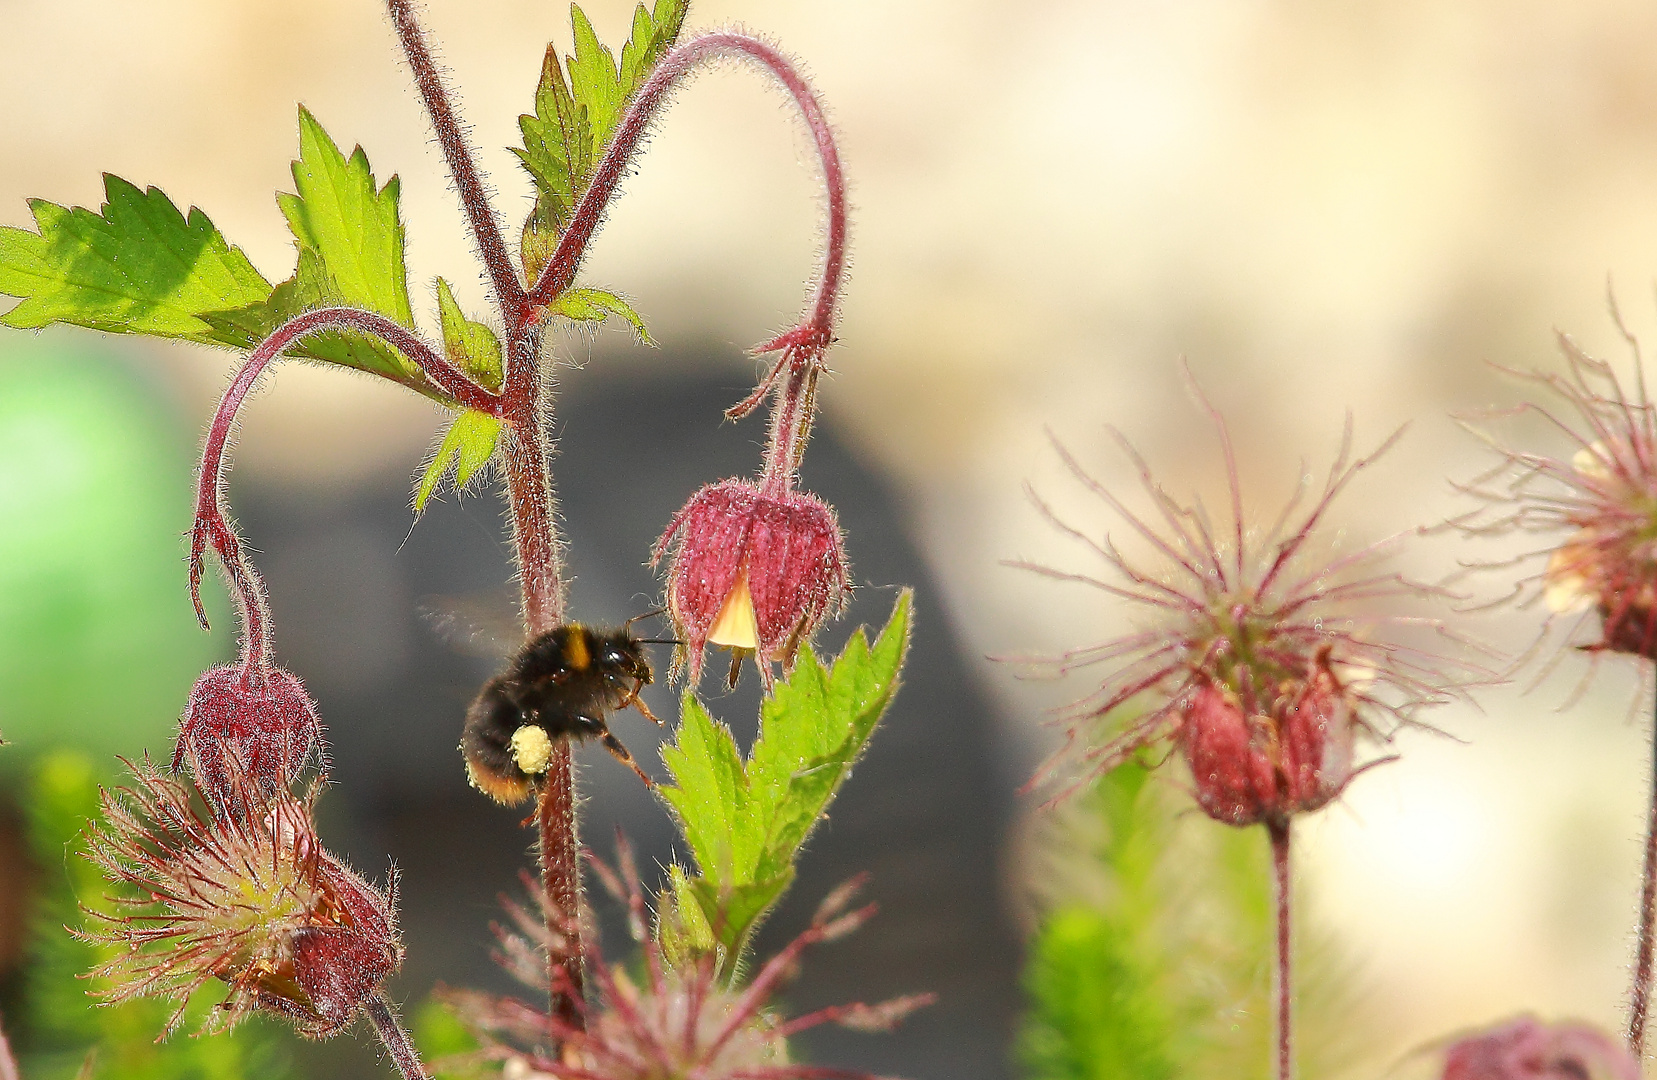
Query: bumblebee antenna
point(659, 641)
point(646, 615)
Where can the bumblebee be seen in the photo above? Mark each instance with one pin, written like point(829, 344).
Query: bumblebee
point(560, 685)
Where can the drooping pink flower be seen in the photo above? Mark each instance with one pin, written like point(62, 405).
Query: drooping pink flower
point(1263, 664)
point(247, 730)
point(249, 898)
point(751, 571)
point(1526, 1049)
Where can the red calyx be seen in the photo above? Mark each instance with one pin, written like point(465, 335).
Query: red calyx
point(1269, 766)
point(246, 734)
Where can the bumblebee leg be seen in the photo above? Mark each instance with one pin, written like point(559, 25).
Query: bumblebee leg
point(619, 752)
point(638, 703)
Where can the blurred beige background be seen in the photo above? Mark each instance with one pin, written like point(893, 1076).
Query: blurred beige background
point(1324, 205)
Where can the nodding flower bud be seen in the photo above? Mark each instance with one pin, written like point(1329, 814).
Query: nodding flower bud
point(1293, 757)
point(248, 898)
point(751, 571)
point(1528, 1050)
point(246, 734)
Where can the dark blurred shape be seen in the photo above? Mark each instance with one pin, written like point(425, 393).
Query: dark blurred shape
point(925, 813)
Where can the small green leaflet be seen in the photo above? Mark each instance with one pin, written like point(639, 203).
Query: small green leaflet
point(353, 229)
point(466, 447)
point(470, 346)
point(595, 305)
point(470, 441)
point(139, 267)
point(575, 118)
point(350, 241)
point(745, 821)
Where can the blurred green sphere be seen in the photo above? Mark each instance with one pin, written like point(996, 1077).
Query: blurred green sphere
point(98, 642)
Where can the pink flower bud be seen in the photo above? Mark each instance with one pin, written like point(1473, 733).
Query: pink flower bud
point(1233, 777)
point(246, 734)
point(1292, 759)
point(1526, 1049)
point(751, 571)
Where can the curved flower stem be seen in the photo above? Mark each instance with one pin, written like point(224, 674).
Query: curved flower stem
point(212, 524)
point(584, 220)
point(1640, 997)
point(395, 1037)
point(793, 379)
point(1279, 832)
point(509, 293)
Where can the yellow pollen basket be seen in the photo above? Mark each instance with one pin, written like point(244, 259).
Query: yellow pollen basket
point(735, 626)
point(531, 749)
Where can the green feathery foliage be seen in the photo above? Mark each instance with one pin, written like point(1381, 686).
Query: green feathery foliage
point(1154, 958)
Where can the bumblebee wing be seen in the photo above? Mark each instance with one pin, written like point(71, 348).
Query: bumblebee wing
point(474, 624)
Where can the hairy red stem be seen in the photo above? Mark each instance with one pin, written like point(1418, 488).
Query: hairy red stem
point(212, 524)
point(1640, 998)
point(589, 212)
point(790, 423)
point(532, 507)
point(530, 498)
point(399, 1047)
point(480, 215)
point(1279, 832)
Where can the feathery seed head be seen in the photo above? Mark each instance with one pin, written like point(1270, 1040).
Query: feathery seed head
point(248, 897)
point(1261, 662)
point(1603, 570)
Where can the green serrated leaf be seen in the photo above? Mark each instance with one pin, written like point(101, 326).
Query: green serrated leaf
point(746, 820)
point(814, 728)
point(139, 266)
point(350, 242)
point(733, 912)
point(594, 82)
point(596, 305)
point(470, 346)
point(575, 117)
point(710, 793)
point(653, 35)
point(466, 447)
point(352, 226)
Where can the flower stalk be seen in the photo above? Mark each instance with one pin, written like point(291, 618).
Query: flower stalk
point(1278, 830)
point(399, 1045)
point(1640, 996)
